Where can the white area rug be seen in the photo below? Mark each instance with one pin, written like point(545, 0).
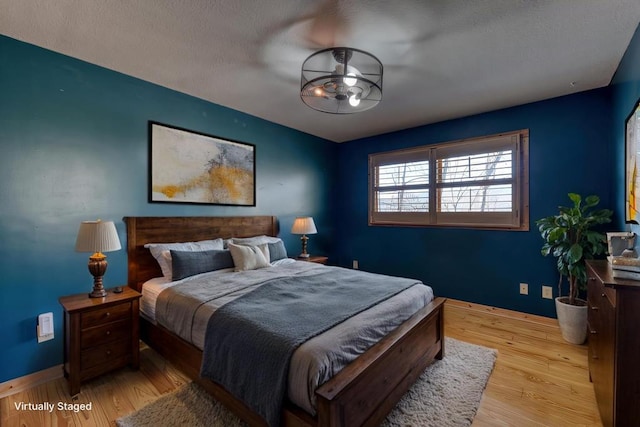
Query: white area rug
point(447, 394)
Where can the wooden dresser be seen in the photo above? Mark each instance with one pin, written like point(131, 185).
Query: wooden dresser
point(100, 334)
point(614, 344)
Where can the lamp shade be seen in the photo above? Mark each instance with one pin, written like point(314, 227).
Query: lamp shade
point(97, 236)
point(341, 80)
point(303, 225)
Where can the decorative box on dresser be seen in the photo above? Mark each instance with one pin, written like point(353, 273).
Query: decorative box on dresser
point(614, 344)
point(100, 334)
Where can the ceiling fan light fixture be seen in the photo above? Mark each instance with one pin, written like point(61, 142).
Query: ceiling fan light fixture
point(341, 80)
point(350, 77)
point(351, 80)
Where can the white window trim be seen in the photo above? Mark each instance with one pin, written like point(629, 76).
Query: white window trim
point(515, 220)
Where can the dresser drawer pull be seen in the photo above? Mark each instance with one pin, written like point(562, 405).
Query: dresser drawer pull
point(592, 332)
point(108, 333)
point(595, 357)
point(592, 279)
point(595, 308)
point(107, 314)
point(108, 352)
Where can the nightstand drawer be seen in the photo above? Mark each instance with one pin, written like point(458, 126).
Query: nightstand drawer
point(112, 331)
point(104, 353)
point(101, 316)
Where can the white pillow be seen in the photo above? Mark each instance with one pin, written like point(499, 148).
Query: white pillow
point(255, 240)
point(161, 251)
point(249, 257)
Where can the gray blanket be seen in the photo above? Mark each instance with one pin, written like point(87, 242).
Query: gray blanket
point(250, 340)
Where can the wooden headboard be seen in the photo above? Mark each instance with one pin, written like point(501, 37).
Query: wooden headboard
point(167, 229)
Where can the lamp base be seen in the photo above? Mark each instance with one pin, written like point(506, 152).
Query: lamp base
point(97, 268)
point(98, 293)
point(304, 253)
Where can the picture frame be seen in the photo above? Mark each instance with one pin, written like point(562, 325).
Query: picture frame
point(186, 166)
point(632, 166)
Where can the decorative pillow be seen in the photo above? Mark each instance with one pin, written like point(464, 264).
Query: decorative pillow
point(255, 240)
point(161, 251)
point(189, 263)
point(249, 257)
point(263, 247)
point(277, 251)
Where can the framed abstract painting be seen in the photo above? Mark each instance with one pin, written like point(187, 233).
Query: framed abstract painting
point(632, 166)
point(193, 167)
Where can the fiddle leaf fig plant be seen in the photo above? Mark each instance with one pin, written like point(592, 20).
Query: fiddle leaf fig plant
point(569, 236)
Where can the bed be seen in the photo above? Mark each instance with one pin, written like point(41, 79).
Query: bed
point(360, 394)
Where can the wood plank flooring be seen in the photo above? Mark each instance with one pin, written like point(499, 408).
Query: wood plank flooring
point(538, 380)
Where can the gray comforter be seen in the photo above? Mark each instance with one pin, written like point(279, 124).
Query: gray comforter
point(186, 307)
point(251, 339)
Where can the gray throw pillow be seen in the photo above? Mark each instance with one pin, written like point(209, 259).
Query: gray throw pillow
point(185, 264)
point(277, 251)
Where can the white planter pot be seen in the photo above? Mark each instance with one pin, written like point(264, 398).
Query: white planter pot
point(572, 320)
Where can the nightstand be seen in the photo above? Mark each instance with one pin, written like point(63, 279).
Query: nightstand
point(315, 258)
point(100, 334)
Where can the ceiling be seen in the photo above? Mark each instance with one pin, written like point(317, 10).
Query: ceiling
point(442, 59)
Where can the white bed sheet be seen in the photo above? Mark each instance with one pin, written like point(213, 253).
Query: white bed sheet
point(323, 356)
point(152, 288)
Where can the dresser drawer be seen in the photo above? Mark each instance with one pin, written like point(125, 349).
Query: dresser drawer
point(100, 316)
point(596, 290)
point(104, 353)
point(111, 331)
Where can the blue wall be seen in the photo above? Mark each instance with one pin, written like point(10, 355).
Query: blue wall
point(74, 147)
point(569, 150)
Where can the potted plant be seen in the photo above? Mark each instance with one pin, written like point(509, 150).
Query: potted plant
point(569, 236)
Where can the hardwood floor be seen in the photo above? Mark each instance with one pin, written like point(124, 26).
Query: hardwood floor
point(538, 380)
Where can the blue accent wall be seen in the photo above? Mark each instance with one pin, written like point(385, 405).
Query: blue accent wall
point(569, 151)
point(74, 147)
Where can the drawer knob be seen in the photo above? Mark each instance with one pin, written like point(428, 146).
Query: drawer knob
point(592, 332)
point(107, 314)
point(108, 332)
point(595, 308)
point(595, 357)
point(592, 279)
point(108, 352)
point(602, 295)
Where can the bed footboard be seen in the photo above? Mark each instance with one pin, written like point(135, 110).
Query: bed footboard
point(365, 391)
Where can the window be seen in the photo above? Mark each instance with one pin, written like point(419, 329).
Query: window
point(478, 183)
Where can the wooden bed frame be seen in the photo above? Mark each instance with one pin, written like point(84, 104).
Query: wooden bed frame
point(362, 394)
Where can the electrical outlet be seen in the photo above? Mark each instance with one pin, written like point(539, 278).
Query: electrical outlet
point(547, 292)
point(44, 328)
point(355, 264)
point(524, 289)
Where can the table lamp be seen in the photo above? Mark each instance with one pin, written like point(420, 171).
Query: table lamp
point(97, 237)
point(304, 225)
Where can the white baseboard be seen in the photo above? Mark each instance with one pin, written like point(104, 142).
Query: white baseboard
point(17, 385)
